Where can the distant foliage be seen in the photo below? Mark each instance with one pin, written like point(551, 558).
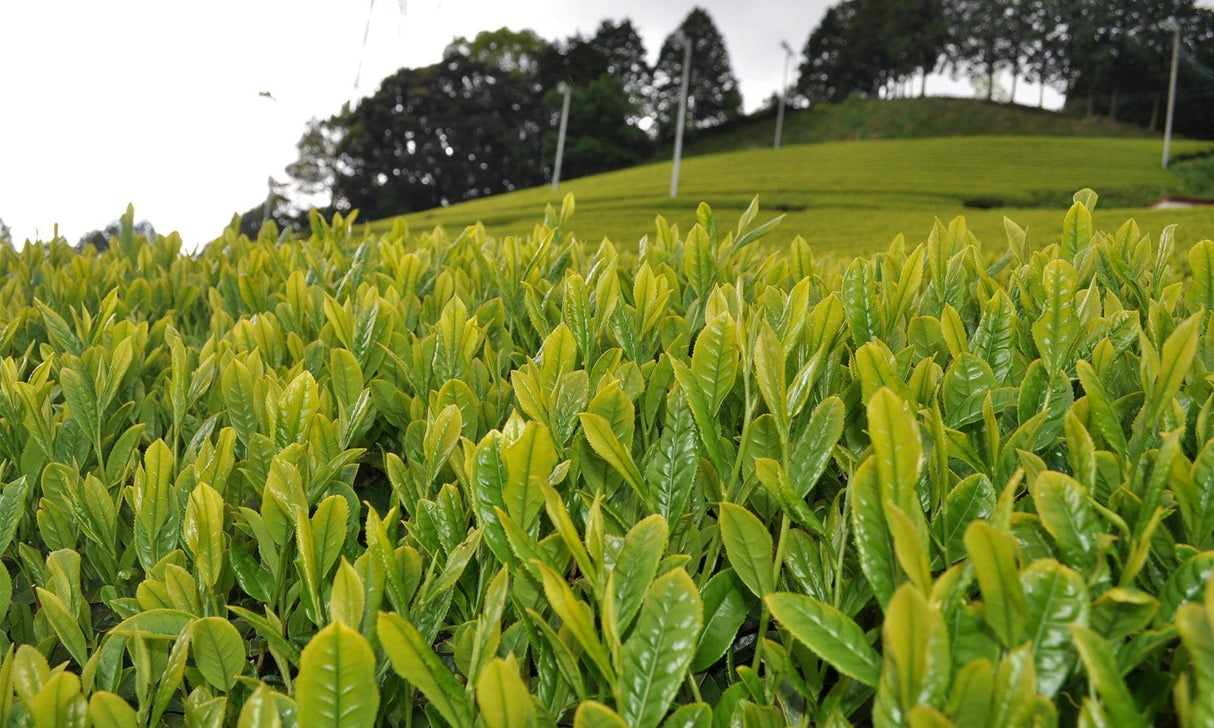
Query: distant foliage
point(863, 46)
point(463, 128)
point(1106, 57)
point(713, 93)
point(123, 230)
point(610, 84)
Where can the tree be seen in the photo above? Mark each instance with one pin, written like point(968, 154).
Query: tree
point(862, 46)
point(313, 173)
point(915, 32)
point(824, 75)
point(282, 211)
point(462, 128)
point(603, 131)
point(100, 239)
point(624, 54)
point(980, 41)
point(1119, 58)
point(1045, 50)
point(713, 95)
point(6, 235)
point(600, 138)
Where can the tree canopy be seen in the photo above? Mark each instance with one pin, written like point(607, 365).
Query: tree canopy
point(713, 96)
point(1106, 56)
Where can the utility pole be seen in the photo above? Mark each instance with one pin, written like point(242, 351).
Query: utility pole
point(783, 92)
point(681, 37)
point(1172, 25)
point(560, 137)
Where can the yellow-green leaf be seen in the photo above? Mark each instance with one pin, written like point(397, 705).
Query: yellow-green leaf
point(336, 685)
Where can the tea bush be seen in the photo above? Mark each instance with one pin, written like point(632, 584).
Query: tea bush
point(414, 480)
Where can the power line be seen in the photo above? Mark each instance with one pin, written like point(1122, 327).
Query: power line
point(1196, 65)
point(363, 52)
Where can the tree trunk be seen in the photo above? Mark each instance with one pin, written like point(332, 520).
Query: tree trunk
point(1091, 103)
point(1154, 111)
point(1041, 96)
point(923, 86)
point(990, 82)
point(1015, 77)
point(1113, 104)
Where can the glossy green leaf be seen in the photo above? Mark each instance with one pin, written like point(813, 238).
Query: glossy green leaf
point(107, 710)
point(1076, 230)
point(637, 565)
point(828, 632)
point(812, 452)
point(1056, 598)
point(219, 651)
point(1105, 676)
point(670, 468)
point(336, 685)
point(873, 542)
point(1057, 330)
point(898, 453)
point(260, 710)
point(528, 462)
point(993, 555)
point(203, 532)
point(64, 624)
point(916, 669)
point(502, 696)
point(726, 606)
point(748, 545)
point(608, 446)
point(714, 360)
point(656, 656)
point(1201, 287)
point(1175, 360)
point(1066, 514)
point(592, 714)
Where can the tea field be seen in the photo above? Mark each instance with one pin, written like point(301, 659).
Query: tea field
point(438, 479)
point(853, 197)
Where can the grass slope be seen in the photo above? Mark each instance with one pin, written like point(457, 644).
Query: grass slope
point(853, 197)
point(857, 118)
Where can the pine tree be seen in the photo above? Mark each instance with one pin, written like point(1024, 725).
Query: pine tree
point(713, 94)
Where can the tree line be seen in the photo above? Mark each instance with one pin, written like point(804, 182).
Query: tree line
point(470, 125)
point(1106, 56)
point(483, 119)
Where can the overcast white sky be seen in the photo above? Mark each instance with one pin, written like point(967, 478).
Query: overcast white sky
point(156, 102)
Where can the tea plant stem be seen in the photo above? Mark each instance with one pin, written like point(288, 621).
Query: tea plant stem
point(695, 688)
point(764, 617)
point(837, 597)
point(735, 476)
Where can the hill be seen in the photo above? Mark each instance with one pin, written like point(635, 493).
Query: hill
point(855, 196)
point(851, 176)
point(859, 118)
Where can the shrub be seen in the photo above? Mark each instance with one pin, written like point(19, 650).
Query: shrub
point(410, 480)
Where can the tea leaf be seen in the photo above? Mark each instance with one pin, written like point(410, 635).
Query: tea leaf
point(336, 684)
point(993, 555)
point(748, 545)
point(1105, 676)
point(503, 697)
point(219, 651)
point(1056, 598)
point(829, 633)
point(659, 651)
point(725, 609)
point(714, 361)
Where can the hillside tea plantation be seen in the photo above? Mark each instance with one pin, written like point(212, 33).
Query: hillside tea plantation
point(412, 480)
